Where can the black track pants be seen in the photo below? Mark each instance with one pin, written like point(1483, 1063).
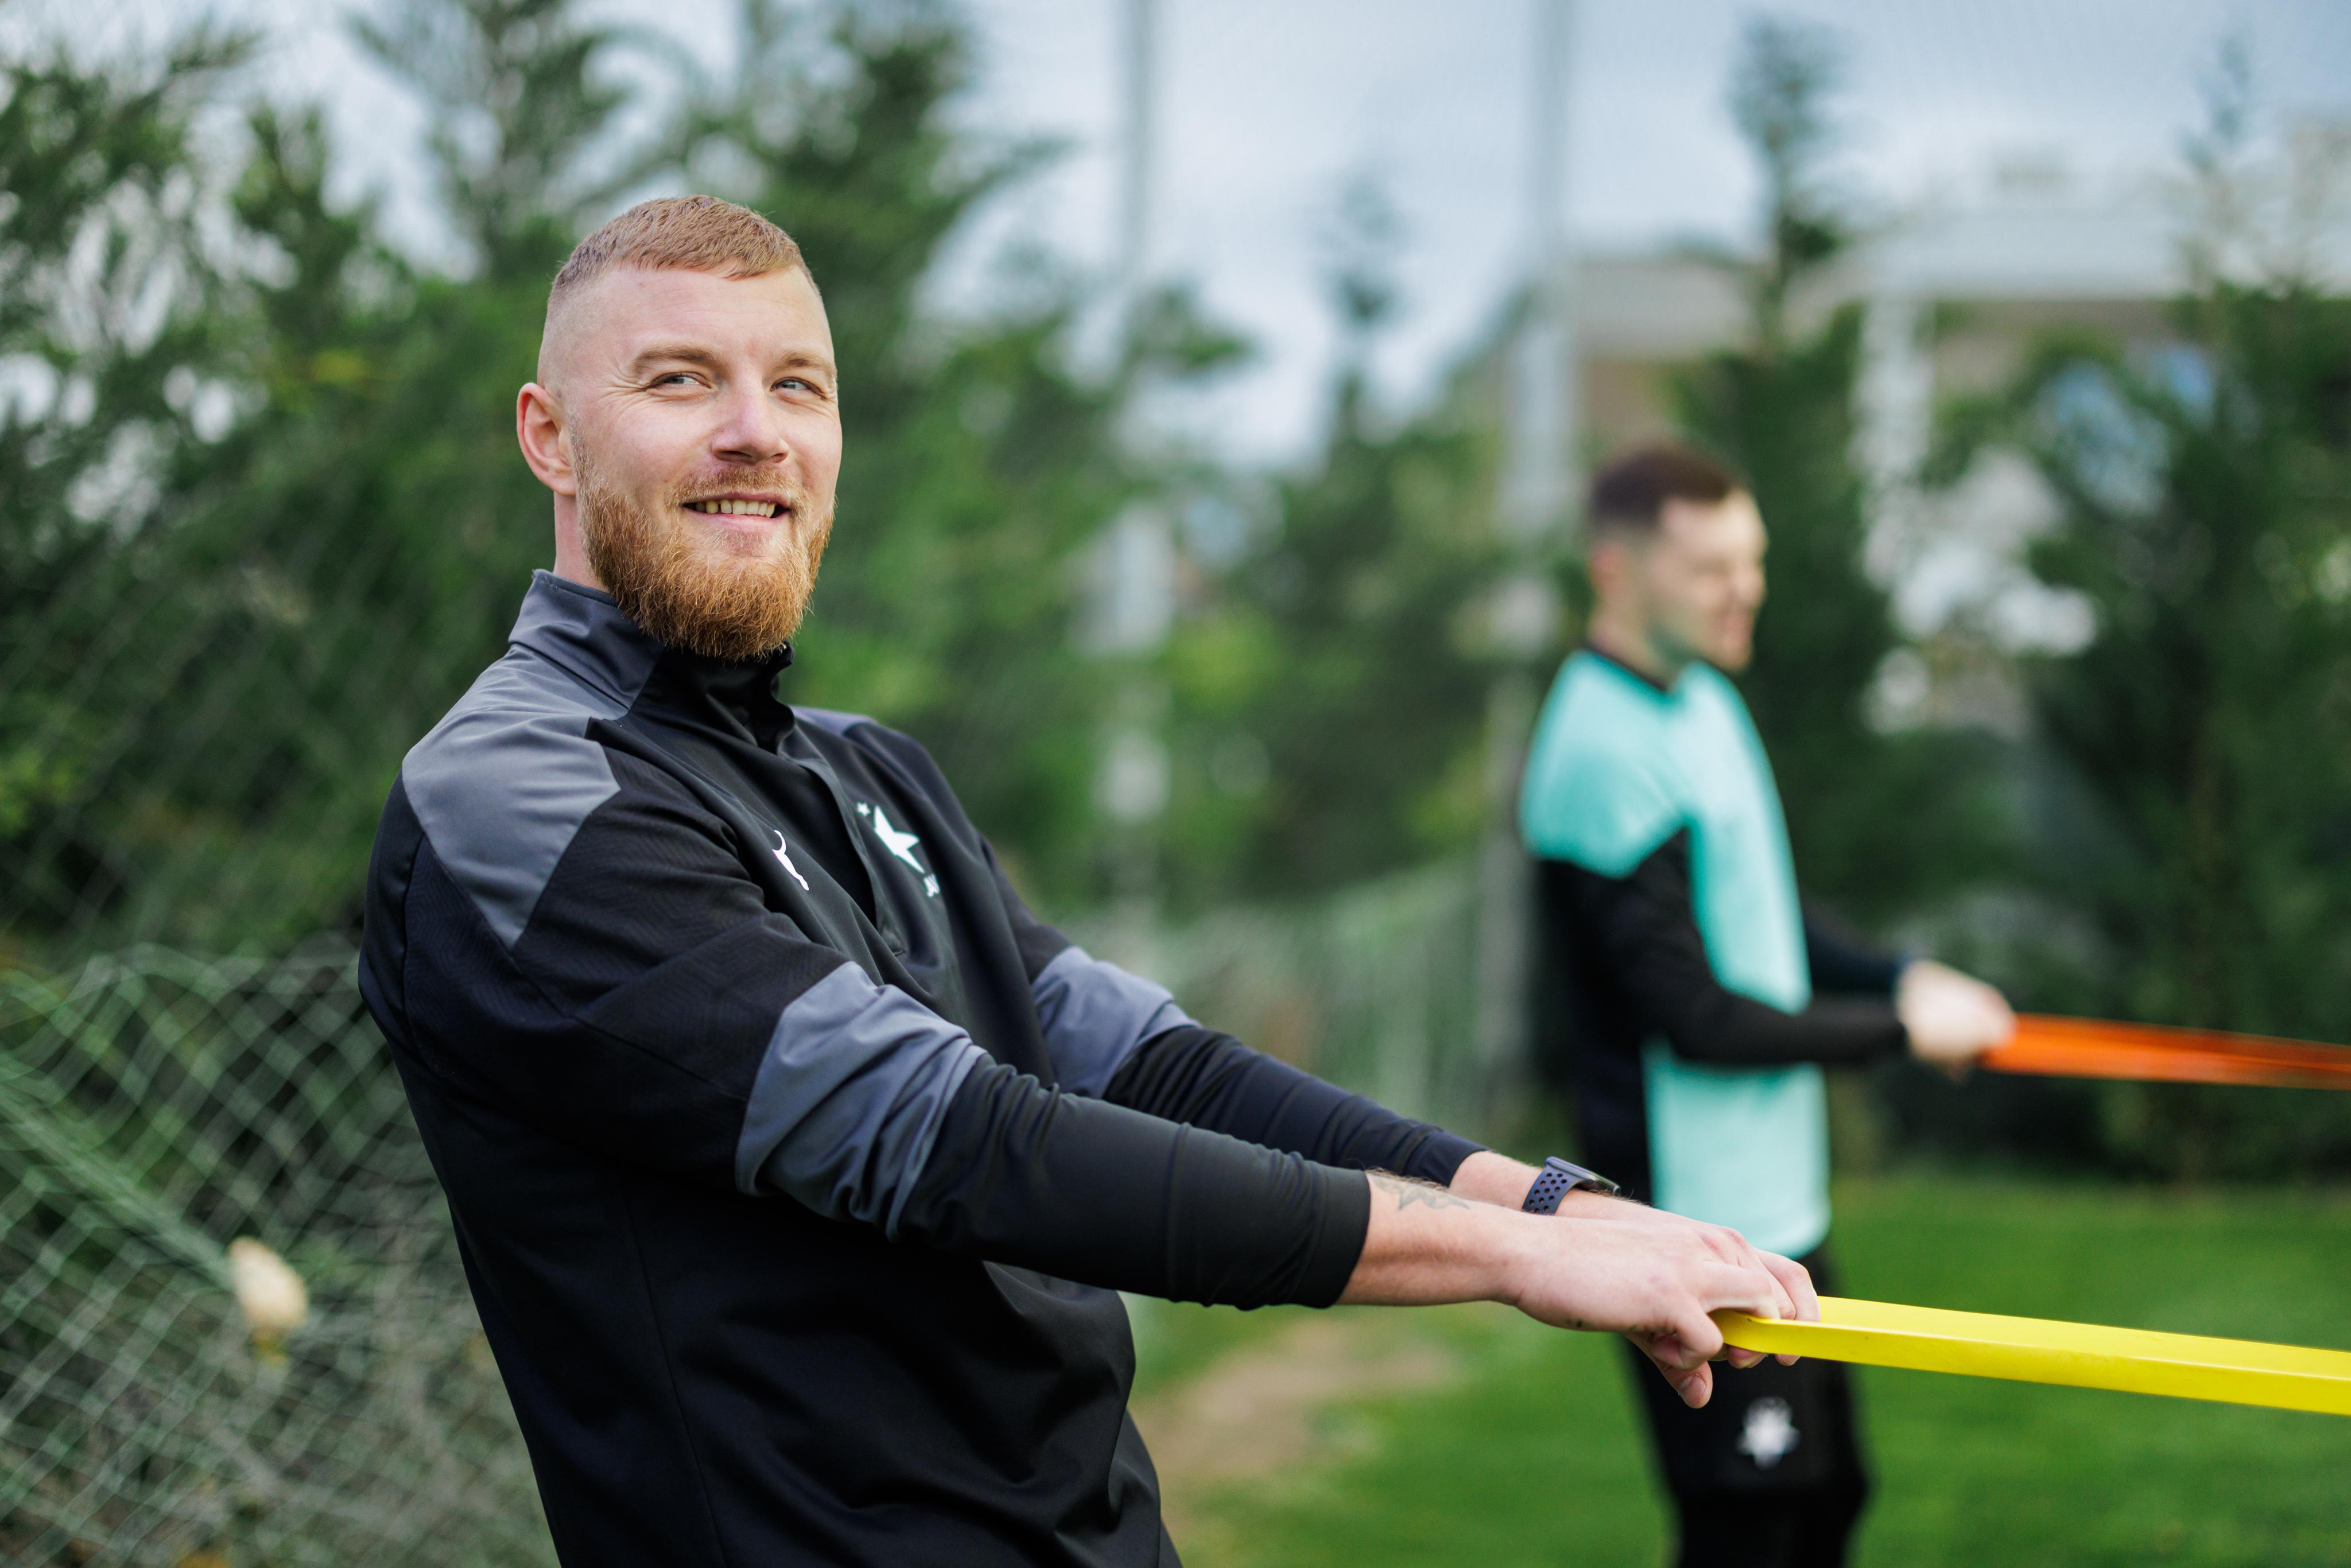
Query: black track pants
point(1769, 1473)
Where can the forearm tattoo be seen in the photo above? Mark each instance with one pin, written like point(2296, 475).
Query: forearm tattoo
point(1410, 1191)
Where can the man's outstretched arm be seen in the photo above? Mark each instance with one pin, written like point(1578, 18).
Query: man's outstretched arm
point(1645, 924)
point(1205, 1079)
point(653, 1009)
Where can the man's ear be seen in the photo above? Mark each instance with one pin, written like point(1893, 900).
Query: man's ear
point(1608, 562)
point(538, 431)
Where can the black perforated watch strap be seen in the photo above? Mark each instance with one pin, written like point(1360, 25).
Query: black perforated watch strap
point(1559, 1178)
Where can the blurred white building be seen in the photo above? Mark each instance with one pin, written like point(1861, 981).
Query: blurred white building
point(1955, 293)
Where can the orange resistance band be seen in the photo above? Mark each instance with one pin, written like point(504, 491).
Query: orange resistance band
point(2090, 1048)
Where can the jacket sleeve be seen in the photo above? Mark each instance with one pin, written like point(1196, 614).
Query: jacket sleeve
point(653, 1008)
point(1205, 1079)
point(1094, 1015)
point(1116, 1036)
point(1842, 960)
point(1647, 936)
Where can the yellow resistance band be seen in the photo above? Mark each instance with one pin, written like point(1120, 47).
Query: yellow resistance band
point(2037, 1350)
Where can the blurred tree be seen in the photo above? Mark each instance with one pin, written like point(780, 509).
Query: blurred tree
point(235, 655)
point(105, 291)
point(1331, 687)
point(2202, 738)
point(524, 116)
point(1879, 822)
point(351, 554)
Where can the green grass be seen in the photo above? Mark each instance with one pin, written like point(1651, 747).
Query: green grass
point(1531, 1456)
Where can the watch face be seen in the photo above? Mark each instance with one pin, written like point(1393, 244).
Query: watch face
point(1578, 1177)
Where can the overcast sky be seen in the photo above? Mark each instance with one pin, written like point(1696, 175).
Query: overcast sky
point(1269, 106)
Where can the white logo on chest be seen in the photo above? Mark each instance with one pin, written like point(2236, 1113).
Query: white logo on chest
point(784, 854)
point(1771, 1433)
point(899, 844)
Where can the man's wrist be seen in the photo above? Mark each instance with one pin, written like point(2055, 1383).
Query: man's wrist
point(1511, 1249)
point(1494, 1178)
point(1589, 1203)
point(1425, 1245)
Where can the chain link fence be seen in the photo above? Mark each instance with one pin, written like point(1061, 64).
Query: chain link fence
point(154, 1110)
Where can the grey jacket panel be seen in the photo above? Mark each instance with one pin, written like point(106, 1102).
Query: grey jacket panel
point(502, 783)
point(848, 1102)
point(1094, 1015)
point(499, 788)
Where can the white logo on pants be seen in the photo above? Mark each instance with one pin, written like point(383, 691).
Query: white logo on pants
point(1771, 1433)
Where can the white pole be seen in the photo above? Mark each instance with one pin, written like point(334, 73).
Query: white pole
point(1134, 560)
point(1541, 463)
point(1537, 488)
point(1139, 166)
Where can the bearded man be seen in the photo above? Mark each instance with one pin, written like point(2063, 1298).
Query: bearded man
point(795, 1162)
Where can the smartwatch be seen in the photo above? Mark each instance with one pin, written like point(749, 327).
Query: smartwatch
point(1559, 1178)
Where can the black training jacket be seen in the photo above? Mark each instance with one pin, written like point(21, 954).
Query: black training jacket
point(794, 1163)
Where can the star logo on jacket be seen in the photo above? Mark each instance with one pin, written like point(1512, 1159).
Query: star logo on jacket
point(899, 844)
point(1771, 1433)
point(784, 854)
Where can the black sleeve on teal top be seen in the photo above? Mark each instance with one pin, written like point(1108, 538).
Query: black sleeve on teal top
point(1208, 1080)
point(1842, 959)
point(1648, 937)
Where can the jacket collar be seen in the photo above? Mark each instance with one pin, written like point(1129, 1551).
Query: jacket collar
point(1613, 663)
point(582, 631)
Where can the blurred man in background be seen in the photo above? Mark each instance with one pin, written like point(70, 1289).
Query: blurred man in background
point(1694, 997)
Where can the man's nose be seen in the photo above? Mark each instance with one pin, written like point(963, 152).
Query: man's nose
point(751, 429)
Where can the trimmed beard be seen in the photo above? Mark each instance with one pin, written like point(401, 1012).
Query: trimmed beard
point(732, 599)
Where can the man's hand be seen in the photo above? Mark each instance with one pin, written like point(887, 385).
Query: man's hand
point(1651, 1277)
point(1951, 1018)
point(1670, 1263)
point(1499, 1179)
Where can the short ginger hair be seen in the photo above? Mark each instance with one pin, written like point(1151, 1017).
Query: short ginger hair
point(691, 234)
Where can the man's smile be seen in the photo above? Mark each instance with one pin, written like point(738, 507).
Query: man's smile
point(741, 512)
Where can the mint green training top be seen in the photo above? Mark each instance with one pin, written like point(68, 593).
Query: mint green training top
point(1626, 781)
